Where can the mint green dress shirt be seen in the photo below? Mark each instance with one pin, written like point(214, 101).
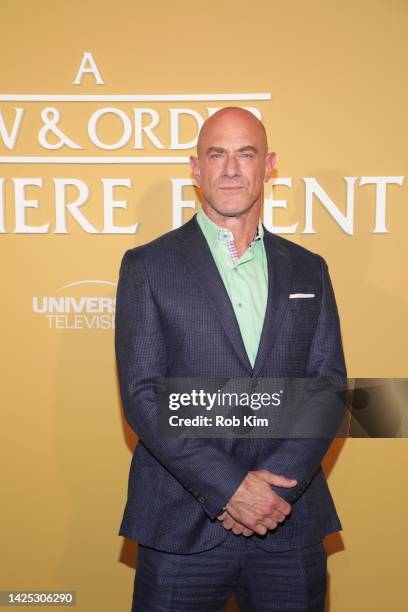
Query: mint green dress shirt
point(245, 279)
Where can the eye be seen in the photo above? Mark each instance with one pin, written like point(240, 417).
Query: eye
point(246, 154)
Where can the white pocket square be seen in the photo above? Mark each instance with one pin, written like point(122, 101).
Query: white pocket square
point(301, 295)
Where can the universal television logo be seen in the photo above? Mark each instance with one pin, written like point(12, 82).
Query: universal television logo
point(78, 312)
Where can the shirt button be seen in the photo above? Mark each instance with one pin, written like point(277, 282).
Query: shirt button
point(240, 304)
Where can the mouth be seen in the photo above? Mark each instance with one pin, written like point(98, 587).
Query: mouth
point(231, 188)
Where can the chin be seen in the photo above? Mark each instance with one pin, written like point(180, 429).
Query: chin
point(230, 213)
point(233, 211)
point(229, 207)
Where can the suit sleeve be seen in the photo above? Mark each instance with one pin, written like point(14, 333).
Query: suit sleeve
point(141, 353)
point(300, 458)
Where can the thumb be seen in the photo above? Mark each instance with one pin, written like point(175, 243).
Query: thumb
point(275, 479)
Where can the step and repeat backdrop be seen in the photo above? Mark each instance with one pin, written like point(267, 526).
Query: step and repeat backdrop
point(100, 106)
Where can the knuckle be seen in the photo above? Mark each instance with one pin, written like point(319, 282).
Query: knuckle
point(272, 524)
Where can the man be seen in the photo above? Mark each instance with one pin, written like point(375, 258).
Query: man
point(221, 297)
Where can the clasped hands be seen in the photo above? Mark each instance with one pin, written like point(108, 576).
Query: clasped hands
point(255, 507)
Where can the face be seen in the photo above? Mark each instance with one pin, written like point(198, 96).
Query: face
point(232, 163)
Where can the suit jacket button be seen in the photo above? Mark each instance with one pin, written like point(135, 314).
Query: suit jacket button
point(201, 499)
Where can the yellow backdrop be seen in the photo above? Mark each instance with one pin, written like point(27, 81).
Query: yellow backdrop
point(329, 80)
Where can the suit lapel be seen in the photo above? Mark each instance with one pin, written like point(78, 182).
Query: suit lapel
point(279, 283)
point(199, 261)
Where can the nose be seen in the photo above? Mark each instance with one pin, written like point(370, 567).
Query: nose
point(231, 168)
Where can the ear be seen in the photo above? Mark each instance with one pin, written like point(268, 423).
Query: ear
point(270, 161)
point(195, 168)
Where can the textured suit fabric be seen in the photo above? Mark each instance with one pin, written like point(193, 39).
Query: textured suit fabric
point(174, 319)
point(261, 581)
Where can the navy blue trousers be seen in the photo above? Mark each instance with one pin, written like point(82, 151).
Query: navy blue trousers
point(203, 582)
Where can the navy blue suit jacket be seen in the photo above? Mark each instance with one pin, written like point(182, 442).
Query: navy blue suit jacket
point(174, 319)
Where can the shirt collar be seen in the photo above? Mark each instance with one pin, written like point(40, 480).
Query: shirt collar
point(214, 232)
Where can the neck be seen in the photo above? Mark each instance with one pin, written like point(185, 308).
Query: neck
point(243, 226)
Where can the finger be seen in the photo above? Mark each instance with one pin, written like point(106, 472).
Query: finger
point(228, 522)
point(249, 518)
point(282, 481)
point(275, 479)
point(278, 517)
point(237, 528)
point(247, 532)
point(282, 506)
point(278, 504)
point(261, 529)
point(222, 516)
point(270, 523)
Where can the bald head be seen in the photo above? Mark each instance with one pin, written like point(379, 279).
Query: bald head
point(232, 164)
point(230, 119)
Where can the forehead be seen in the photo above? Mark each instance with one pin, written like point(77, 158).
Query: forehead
point(232, 131)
